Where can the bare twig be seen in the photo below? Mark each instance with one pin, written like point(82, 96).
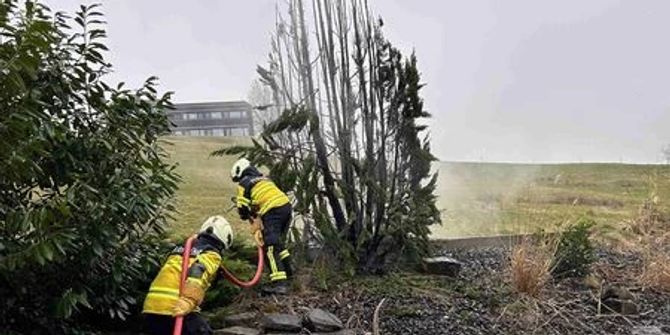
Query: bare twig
point(562, 313)
point(375, 318)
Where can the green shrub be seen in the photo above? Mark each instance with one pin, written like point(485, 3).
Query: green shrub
point(240, 260)
point(574, 252)
point(84, 188)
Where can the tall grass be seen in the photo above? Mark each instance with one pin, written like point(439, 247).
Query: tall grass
point(656, 271)
point(649, 234)
point(530, 267)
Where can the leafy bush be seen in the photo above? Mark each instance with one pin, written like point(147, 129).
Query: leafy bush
point(574, 252)
point(83, 183)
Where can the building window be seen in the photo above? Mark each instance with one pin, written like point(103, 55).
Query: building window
point(235, 115)
point(177, 116)
point(191, 116)
point(238, 131)
point(217, 132)
point(215, 115)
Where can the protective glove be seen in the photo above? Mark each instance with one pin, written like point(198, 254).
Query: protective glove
point(256, 224)
point(257, 230)
point(192, 296)
point(183, 306)
point(258, 237)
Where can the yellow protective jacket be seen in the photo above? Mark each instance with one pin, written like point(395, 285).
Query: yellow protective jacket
point(204, 264)
point(256, 195)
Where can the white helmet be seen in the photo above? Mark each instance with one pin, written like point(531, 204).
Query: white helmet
point(238, 168)
point(220, 228)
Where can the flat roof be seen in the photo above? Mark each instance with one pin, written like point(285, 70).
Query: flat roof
point(211, 106)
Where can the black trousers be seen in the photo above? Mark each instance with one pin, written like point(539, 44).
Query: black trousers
point(194, 324)
point(276, 223)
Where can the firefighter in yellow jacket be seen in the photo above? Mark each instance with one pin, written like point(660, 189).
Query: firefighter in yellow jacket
point(257, 196)
point(163, 302)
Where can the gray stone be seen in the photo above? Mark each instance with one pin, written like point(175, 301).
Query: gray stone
point(619, 300)
point(625, 307)
point(616, 292)
point(319, 320)
point(242, 319)
point(237, 331)
point(445, 266)
point(341, 332)
point(647, 330)
point(281, 322)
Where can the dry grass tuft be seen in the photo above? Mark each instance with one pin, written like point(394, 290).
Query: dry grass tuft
point(650, 222)
point(656, 271)
point(649, 235)
point(530, 266)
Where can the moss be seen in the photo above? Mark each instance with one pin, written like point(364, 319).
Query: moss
point(403, 311)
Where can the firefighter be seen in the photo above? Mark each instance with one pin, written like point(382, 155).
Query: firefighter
point(258, 196)
point(163, 302)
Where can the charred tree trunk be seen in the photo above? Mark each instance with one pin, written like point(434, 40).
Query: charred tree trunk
point(319, 145)
point(360, 102)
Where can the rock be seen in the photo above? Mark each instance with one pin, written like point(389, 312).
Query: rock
point(237, 331)
point(629, 308)
point(619, 300)
point(442, 265)
point(281, 322)
point(625, 307)
point(242, 319)
point(341, 332)
point(617, 293)
point(319, 320)
point(647, 330)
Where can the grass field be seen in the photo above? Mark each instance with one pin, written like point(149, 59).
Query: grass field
point(206, 188)
point(476, 198)
point(488, 198)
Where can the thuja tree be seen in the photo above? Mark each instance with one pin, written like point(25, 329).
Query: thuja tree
point(350, 143)
point(83, 182)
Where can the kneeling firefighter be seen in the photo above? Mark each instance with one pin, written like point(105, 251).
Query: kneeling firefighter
point(163, 302)
point(257, 195)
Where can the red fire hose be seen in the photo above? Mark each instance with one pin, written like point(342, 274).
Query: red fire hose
point(179, 321)
point(254, 280)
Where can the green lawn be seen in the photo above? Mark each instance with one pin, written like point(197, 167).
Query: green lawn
point(206, 188)
point(476, 198)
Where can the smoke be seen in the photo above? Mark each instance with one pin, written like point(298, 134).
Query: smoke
point(482, 198)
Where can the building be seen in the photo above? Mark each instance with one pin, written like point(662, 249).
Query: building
point(224, 118)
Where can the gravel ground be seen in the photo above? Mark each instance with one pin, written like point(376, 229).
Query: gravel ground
point(480, 301)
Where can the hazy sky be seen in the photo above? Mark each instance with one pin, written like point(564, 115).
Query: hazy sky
point(514, 80)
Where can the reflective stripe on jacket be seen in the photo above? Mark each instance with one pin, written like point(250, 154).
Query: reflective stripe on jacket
point(259, 195)
point(164, 290)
